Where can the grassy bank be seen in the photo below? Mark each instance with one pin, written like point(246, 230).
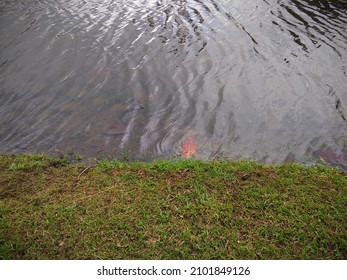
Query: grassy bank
point(50, 209)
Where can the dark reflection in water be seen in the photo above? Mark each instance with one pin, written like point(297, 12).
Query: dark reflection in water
point(256, 79)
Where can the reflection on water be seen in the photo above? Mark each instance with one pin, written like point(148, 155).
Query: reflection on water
point(254, 79)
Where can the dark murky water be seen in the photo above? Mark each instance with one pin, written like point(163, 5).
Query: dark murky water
point(253, 79)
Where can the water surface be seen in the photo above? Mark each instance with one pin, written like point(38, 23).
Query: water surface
point(254, 79)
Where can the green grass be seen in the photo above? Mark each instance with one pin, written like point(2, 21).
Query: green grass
point(52, 209)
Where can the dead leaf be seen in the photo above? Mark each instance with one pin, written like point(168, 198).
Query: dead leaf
point(188, 147)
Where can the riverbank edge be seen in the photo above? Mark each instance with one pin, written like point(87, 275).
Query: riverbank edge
point(53, 208)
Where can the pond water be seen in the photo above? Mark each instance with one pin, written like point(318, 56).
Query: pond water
point(253, 79)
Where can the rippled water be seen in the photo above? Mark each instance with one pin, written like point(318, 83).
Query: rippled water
point(252, 79)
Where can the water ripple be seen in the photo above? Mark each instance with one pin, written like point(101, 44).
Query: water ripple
point(262, 79)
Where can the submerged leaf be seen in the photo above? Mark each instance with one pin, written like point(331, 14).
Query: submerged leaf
point(188, 147)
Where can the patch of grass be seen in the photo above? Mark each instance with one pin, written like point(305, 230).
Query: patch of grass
point(51, 209)
point(32, 162)
point(107, 164)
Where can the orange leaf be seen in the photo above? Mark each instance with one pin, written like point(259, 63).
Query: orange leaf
point(188, 147)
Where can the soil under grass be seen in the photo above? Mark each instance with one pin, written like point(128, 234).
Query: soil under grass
point(52, 209)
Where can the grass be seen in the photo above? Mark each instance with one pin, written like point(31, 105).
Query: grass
point(52, 209)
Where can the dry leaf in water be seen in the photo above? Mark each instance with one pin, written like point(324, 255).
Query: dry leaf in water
point(188, 147)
